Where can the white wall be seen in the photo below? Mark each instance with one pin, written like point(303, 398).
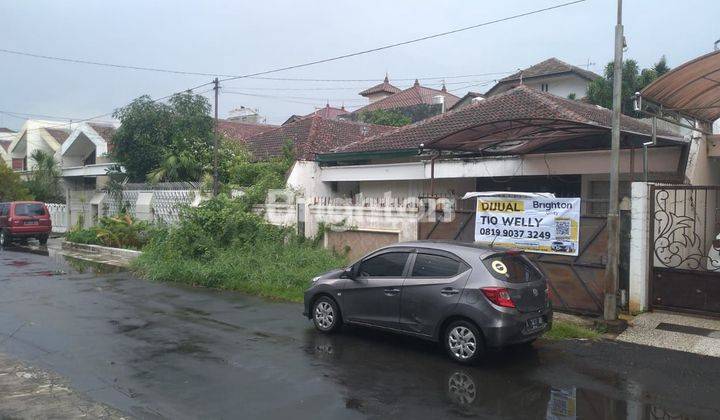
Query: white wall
point(562, 86)
point(402, 221)
point(33, 137)
point(661, 160)
point(701, 169)
point(5, 156)
point(304, 179)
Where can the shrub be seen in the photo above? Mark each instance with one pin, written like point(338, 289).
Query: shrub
point(120, 231)
point(83, 236)
point(222, 244)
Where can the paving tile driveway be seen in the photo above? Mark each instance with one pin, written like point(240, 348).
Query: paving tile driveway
point(164, 351)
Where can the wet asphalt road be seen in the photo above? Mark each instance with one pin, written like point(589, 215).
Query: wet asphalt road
point(164, 351)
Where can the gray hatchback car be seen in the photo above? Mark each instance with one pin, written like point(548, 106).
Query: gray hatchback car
point(466, 297)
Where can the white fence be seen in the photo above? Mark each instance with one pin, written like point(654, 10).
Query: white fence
point(59, 217)
point(155, 203)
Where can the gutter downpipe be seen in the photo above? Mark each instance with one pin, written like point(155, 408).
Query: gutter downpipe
point(653, 142)
point(432, 172)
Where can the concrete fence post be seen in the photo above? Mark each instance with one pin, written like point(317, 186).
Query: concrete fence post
point(639, 232)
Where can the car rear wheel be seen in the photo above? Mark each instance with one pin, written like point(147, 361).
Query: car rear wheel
point(464, 342)
point(4, 238)
point(43, 240)
point(326, 315)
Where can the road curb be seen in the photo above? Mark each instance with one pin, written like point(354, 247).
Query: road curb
point(101, 250)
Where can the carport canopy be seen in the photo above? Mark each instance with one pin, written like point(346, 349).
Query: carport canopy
point(692, 89)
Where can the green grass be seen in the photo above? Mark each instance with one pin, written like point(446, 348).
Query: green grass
point(268, 269)
point(564, 331)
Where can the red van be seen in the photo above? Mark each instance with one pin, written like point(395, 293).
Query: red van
point(24, 219)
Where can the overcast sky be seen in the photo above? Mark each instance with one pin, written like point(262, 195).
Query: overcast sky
point(234, 37)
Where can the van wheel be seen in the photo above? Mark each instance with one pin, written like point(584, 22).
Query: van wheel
point(43, 240)
point(4, 238)
point(326, 315)
point(464, 342)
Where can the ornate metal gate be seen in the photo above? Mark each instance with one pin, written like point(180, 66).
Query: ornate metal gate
point(684, 248)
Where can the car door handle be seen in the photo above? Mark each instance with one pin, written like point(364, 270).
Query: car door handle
point(391, 292)
point(449, 291)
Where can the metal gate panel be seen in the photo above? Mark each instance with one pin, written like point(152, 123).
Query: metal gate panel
point(684, 252)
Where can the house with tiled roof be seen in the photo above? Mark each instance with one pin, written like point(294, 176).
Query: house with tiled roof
point(553, 76)
point(469, 98)
point(240, 131)
point(521, 140)
point(308, 137)
point(6, 138)
point(84, 155)
point(413, 97)
point(47, 136)
point(380, 91)
point(330, 112)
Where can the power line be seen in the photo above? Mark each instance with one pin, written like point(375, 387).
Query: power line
point(398, 44)
point(254, 75)
point(113, 65)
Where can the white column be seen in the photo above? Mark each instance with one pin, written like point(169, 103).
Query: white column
point(639, 248)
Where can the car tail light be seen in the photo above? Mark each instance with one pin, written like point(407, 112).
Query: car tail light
point(499, 296)
point(14, 221)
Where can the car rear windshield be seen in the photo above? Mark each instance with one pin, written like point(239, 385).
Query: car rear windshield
point(29, 209)
point(511, 268)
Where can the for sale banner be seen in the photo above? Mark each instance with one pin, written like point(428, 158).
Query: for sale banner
point(533, 224)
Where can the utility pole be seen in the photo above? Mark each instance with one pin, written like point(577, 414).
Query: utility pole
point(613, 218)
point(216, 140)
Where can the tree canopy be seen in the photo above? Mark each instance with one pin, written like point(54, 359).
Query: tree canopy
point(165, 142)
point(12, 188)
point(633, 80)
point(391, 117)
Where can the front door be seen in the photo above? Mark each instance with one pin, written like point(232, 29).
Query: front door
point(431, 290)
point(373, 296)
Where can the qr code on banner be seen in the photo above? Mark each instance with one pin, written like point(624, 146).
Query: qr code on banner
point(562, 228)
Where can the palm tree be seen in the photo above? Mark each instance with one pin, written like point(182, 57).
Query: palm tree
point(44, 181)
point(182, 167)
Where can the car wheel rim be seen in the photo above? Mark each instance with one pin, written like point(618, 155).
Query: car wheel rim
point(462, 342)
point(324, 315)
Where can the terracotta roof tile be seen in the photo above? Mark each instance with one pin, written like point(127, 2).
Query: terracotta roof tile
point(520, 103)
point(549, 67)
point(310, 136)
point(385, 86)
point(106, 131)
point(240, 131)
point(329, 112)
point(414, 95)
point(58, 134)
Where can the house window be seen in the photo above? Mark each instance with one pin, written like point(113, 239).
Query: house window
point(544, 87)
point(19, 164)
point(597, 202)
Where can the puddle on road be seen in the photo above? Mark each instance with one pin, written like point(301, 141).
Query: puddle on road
point(85, 266)
point(378, 374)
point(12, 257)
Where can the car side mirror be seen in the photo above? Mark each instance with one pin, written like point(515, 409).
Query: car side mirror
point(348, 273)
